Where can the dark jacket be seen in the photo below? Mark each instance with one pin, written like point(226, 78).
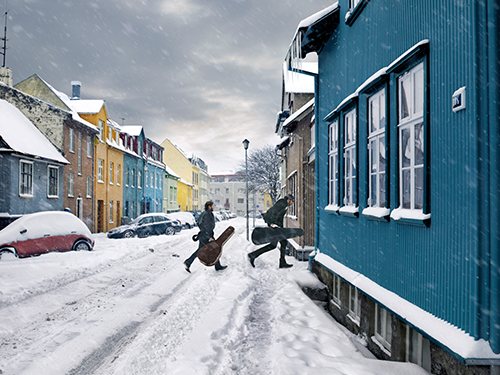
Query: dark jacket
point(206, 223)
point(276, 213)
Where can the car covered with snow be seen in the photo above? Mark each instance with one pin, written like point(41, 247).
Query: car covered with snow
point(153, 224)
point(186, 218)
point(43, 232)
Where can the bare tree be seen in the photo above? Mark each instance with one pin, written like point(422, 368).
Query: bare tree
point(263, 171)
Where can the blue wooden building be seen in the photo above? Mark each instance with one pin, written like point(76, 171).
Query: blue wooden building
point(31, 168)
point(407, 175)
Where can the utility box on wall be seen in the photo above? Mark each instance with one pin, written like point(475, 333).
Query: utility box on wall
point(458, 99)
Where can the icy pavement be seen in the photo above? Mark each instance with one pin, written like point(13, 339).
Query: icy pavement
point(129, 307)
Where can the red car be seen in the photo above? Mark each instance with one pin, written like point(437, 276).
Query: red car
point(43, 232)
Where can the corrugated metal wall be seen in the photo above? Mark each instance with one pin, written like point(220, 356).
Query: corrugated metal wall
point(436, 268)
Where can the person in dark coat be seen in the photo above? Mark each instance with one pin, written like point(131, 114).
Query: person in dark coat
point(274, 218)
point(206, 224)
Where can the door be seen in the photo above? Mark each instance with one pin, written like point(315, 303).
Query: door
point(100, 216)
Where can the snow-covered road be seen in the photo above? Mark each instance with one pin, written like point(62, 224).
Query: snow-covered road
point(129, 307)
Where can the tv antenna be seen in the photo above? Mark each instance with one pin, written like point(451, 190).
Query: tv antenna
point(4, 48)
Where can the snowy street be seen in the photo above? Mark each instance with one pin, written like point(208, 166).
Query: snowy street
point(129, 307)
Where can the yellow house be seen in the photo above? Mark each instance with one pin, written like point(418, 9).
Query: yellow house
point(108, 165)
point(180, 164)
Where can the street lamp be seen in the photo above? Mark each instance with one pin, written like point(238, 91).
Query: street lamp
point(246, 142)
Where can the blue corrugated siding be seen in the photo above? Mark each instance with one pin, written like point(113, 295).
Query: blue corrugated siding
point(435, 268)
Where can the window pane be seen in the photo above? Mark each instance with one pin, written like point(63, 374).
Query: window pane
point(418, 79)
point(382, 189)
point(379, 320)
point(373, 156)
point(406, 148)
point(382, 111)
point(404, 87)
point(419, 144)
point(419, 188)
point(347, 163)
point(374, 115)
point(381, 154)
point(406, 189)
point(388, 328)
point(373, 190)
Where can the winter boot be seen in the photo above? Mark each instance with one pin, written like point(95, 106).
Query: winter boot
point(284, 264)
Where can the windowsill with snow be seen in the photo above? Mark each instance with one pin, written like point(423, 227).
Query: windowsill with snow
point(456, 341)
point(349, 211)
point(412, 217)
point(332, 209)
point(377, 213)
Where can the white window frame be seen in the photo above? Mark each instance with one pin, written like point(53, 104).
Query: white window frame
point(111, 212)
point(354, 305)
point(353, 4)
point(127, 176)
point(377, 115)
point(333, 161)
point(50, 179)
point(383, 327)
point(409, 122)
point(101, 130)
point(71, 145)
point(89, 146)
point(118, 174)
point(147, 178)
point(89, 187)
point(417, 349)
point(132, 175)
point(71, 185)
point(139, 179)
point(111, 173)
point(350, 170)
point(100, 170)
point(25, 179)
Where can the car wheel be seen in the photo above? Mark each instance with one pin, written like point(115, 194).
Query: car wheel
point(82, 245)
point(170, 231)
point(6, 254)
point(128, 234)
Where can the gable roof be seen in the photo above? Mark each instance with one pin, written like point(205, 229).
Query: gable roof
point(21, 136)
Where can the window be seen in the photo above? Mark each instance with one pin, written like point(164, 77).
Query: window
point(241, 200)
point(376, 150)
point(354, 305)
point(147, 178)
point(89, 146)
point(333, 160)
point(71, 140)
point(411, 138)
point(292, 189)
point(111, 175)
point(127, 177)
point(350, 159)
point(79, 154)
point(110, 135)
point(71, 184)
point(336, 290)
point(217, 191)
point(26, 179)
point(101, 129)
point(383, 327)
point(418, 349)
point(100, 170)
point(139, 179)
point(118, 174)
point(53, 177)
point(111, 211)
point(132, 180)
point(89, 187)
point(227, 191)
point(353, 3)
point(151, 182)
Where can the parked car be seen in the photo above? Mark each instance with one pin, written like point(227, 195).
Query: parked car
point(196, 214)
point(219, 217)
point(43, 232)
point(152, 224)
point(186, 218)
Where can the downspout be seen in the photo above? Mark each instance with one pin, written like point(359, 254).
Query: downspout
point(493, 17)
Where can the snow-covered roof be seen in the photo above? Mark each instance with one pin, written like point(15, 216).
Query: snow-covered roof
point(87, 106)
point(171, 172)
point(297, 114)
point(23, 137)
point(134, 130)
point(296, 82)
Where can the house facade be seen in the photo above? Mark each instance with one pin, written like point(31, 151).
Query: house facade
point(407, 135)
point(170, 182)
point(31, 168)
point(69, 133)
point(154, 170)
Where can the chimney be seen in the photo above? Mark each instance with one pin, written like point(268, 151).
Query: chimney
point(6, 76)
point(76, 85)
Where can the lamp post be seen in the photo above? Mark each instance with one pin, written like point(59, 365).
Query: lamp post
point(246, 142)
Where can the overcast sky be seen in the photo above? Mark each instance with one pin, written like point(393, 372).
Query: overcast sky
point(205, 74)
